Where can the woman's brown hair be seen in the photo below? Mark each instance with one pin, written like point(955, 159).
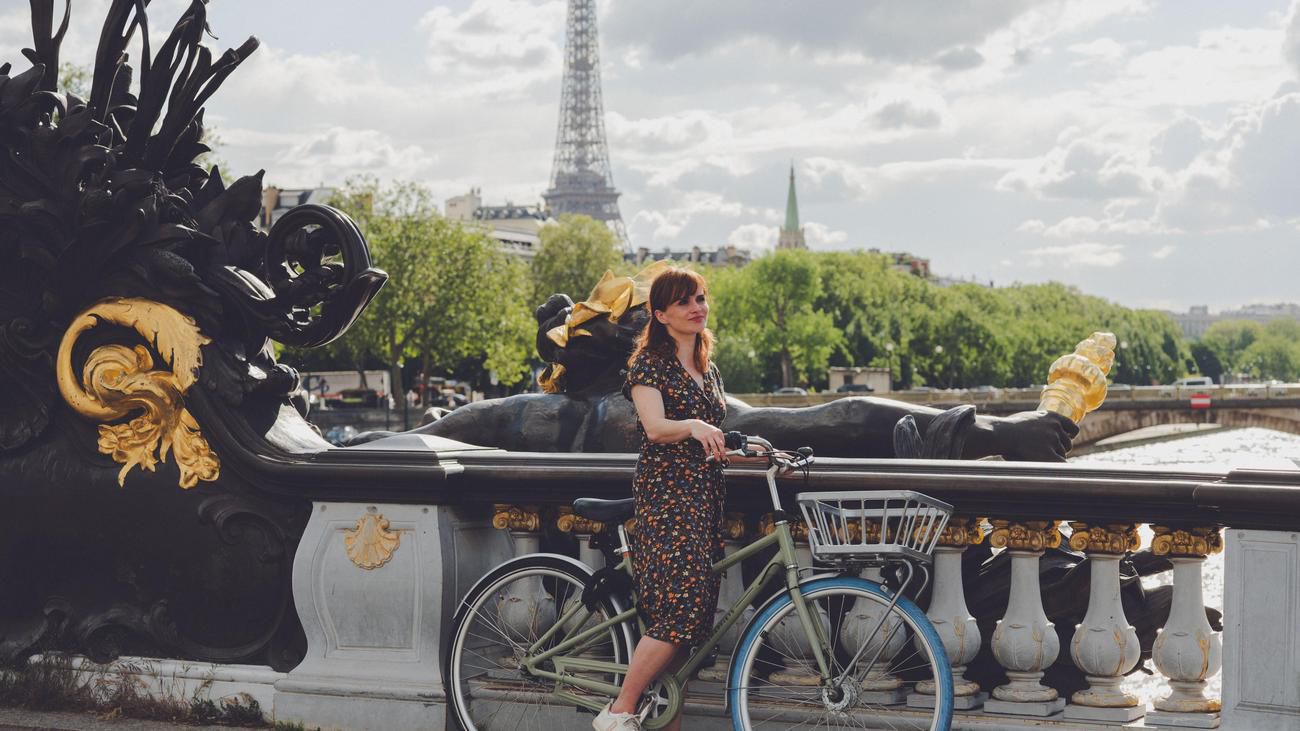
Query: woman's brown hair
point(673, 284)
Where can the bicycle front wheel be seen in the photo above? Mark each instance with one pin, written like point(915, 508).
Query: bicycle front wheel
point(775, 682)
point(512, 608)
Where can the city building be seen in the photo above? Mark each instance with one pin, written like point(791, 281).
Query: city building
point(729, 255)
point(1198, 319)
point(906, 263)
point(791, 236)
point(516, 228)
point(276, 201)
point(844, 379)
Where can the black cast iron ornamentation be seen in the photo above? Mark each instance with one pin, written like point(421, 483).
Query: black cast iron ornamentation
point(104, 198)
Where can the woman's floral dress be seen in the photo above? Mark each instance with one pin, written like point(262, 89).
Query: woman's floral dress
point(679, 504)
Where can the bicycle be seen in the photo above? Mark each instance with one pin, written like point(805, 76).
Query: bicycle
point(544, 632)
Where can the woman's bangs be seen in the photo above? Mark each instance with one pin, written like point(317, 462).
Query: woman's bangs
point(678, 284)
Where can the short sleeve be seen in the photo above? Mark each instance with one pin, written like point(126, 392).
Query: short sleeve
point(646, 370)
point(717, 378)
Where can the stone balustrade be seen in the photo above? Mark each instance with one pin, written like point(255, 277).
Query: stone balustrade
point(1025, 643)
point(1007, 666)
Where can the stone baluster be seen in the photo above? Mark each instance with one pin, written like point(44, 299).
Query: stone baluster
point(1187, 650)
point(951, 617)
point(733, 585)
point(802, 668)
point(582, 529)
point(1105, 646)
point(524, 609)
point(1025, 642)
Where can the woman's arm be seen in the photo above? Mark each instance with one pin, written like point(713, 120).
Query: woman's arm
point(662, 430)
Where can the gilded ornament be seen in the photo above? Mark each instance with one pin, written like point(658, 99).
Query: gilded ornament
point(570, 522)
point(1111, 538)
point(1076, 382)
point(517, 517)
point(798, 529)
point(1032, 535)
point(370, 544)
point(961, 532)
point(1192, 542)
point(733, 526)
point(119, 382)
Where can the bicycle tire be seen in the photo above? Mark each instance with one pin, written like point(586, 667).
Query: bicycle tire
point(485, 692)
point(758, 702)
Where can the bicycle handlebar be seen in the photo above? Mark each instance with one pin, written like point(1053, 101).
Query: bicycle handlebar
point(743, 445)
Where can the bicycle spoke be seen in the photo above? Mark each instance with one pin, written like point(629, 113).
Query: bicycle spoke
point(489, 688)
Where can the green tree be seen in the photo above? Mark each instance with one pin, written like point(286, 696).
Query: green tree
point(1228, 341)
point(770, 303)
point(74, 79)
point(574, 253)
point(452, 293)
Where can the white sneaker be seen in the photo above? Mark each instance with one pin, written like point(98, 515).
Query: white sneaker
point(607, 720)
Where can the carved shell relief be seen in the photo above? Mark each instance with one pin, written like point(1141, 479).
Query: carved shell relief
point(370, 544)
point(119, 382)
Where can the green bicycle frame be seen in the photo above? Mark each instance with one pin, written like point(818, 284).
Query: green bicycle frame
point(783, 563)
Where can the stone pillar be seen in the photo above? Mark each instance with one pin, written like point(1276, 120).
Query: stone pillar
point(801, 669)
point(951, 618)
point(879, 687)
point(375, 586)
point(1025, 642)
point(733, 585)
point(582, 529)
point(526, 608)
point(1261, 630)
point(1187, 650)
point(1105, 646)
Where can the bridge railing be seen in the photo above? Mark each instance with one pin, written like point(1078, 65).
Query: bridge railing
point(1117, 394)
point(492, 505)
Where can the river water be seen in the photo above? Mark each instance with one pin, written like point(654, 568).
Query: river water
point(1236, 448)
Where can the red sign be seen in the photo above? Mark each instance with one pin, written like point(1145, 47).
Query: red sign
point(1200, 401)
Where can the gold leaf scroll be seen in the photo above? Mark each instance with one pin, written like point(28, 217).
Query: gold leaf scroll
point(119, 382)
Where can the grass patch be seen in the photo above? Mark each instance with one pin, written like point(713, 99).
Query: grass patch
point(52, 682)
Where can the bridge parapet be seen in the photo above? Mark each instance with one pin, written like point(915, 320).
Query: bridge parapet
point(485, 506)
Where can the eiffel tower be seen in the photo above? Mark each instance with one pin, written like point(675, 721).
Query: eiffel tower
point(581, 181)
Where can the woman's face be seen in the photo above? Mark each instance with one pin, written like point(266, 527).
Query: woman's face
point(687, 315)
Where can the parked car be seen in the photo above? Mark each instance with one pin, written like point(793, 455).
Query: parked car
point(791, 391)
point(855, 388)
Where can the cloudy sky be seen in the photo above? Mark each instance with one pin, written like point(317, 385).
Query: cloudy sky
point(1147, 152)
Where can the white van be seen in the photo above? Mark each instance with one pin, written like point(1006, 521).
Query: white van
point(1194, 381)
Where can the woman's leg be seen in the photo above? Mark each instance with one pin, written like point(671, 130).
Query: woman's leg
point(650, 658)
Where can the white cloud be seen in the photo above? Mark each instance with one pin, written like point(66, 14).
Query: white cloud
point(1164, 251)
point(1087, 254)
point(754, 237)
point(821, 236)
point(316, 155)
point(495, 46)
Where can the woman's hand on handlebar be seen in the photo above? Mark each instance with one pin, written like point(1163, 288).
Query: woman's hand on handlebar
point(711, 438)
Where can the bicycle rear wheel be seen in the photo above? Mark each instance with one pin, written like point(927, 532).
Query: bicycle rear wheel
point(775, 685)
point(507, 612)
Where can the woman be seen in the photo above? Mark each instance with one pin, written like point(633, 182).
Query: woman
point(679, 493)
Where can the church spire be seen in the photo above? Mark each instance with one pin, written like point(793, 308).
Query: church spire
point(791, 233)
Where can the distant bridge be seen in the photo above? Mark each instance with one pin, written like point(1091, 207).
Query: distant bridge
point(1126, 409)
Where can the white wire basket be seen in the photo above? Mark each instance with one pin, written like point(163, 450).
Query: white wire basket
point(876, 527)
